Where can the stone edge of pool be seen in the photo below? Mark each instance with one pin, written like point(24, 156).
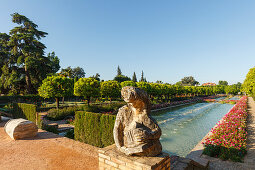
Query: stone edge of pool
point(196, 153)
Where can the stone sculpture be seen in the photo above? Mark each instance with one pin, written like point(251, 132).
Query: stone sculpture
point(135, 131)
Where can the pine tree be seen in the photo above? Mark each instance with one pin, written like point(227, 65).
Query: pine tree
point(134, 79)
point(25, 44)
point(119, 71)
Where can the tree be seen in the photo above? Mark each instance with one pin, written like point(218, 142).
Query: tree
point(25, 45)
point(223, 83)
point(239, 85)
point(189, 81)
point(4, 50)
point(110, 89)
point(249, 82)
point(87, 87)
point(145, 86)
point(159, 82)
point(53, 62)
point(121, 78)
point(119, 71)
point(233, 89)
point(97, 76)
point(73, 72)
point(78, 72)
point(143, 79)
point(134, 79)
point(128, 83)
point(56, 87)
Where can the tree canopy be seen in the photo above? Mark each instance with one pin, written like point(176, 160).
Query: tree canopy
point(248, 85)
point(22, 61)
point(188, 81)
point(223, 83)
point(56, 87)
point(76, 72)
point(87, 87)
point(110, 89)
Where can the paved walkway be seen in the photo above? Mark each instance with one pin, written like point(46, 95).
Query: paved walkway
point(46, 151)
point(249, 159)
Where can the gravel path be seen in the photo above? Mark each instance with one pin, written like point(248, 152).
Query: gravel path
point(45, 151)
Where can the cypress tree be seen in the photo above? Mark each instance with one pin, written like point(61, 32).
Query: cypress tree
point(134, 79)
point(119, 71)
point(143, 79)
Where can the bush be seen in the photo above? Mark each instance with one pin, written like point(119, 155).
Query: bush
point(111, 108)
point(59, 114)
point(50, 129)
point(94, 128)
point(70, 134)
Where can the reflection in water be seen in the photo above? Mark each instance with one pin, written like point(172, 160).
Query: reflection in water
point(183, 128)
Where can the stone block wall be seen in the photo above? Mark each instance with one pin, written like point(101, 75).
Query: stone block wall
point(110, 158)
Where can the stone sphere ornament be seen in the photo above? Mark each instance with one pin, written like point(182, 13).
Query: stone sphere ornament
point(135, 131)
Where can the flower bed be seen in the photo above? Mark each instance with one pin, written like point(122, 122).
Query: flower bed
point(228, 138)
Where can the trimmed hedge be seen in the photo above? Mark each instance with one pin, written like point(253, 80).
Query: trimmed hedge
point(23, 110)
point(94, 128)
point(26, 111)
point(106, 127)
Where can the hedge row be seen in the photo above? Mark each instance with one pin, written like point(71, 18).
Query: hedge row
point(23, 110)
point(59, 114)
point(94, 128)
point(26, 111)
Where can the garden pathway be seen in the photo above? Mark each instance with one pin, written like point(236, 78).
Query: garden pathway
point(45, 151)
point(249, 159)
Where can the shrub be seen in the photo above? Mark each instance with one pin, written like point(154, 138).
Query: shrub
point(59, 114)
point(94, 128)
point(70, 134)
point(52, 129)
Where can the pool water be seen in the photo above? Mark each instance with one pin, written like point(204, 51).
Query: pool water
point(183, 128)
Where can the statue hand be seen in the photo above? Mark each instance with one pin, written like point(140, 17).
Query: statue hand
point(139, 135)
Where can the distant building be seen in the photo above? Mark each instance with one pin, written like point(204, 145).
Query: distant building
point(209, 84)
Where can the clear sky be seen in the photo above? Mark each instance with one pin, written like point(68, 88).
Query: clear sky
point(167, 39)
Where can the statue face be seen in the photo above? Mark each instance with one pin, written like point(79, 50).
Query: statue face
point(138, 105)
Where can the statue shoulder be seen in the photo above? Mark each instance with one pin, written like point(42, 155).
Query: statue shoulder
point(123, 110)
point(124, 113)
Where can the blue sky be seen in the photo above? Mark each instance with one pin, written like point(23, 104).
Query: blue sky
point(167, 39)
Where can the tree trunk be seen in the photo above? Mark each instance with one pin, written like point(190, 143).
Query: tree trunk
point(28, 81)
point(57, 102)
point(63, 100)
point(88, 100)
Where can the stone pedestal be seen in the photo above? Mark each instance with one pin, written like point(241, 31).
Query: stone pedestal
point(110, 158)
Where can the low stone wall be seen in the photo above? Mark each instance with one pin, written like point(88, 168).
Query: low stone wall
point(170, 107)
point(110, 158)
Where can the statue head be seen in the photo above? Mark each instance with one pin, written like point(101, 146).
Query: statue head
point(136, 97)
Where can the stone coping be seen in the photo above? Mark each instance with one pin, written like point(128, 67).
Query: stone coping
point(165, 108)
point(111, 158)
